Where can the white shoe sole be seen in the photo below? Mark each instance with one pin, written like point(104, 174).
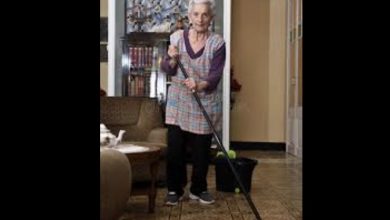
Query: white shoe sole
point(173, 203)
point(195, 197)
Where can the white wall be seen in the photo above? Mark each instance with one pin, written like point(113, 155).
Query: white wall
point(258, 57)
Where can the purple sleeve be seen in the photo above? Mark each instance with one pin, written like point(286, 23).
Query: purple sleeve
point(166, 67)
point(216, 69)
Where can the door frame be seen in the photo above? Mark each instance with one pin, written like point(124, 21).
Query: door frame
point(293, 128)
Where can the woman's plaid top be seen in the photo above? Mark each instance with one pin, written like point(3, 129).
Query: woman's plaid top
point(207, 64)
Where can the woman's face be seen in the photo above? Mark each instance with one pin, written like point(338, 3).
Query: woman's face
point(200, 16)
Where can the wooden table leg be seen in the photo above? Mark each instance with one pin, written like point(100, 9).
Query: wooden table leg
point(152, 192)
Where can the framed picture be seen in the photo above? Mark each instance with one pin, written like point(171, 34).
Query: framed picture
point(103, 52)
point(103, 39)
point(103, 29)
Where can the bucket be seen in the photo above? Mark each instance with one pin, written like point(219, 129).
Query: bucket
point(224, 177)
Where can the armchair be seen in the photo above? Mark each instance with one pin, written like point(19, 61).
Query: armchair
point(142, 119)
point(115, 183)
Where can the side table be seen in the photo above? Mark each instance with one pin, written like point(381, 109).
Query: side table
point(143, 155)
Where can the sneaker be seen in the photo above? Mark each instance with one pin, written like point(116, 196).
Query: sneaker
point(204, 198)
point(173, 199)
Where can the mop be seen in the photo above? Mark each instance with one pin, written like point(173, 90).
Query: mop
point(219, 143)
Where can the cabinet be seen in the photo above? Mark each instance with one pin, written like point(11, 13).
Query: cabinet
point(142, 53)
point(148, 25)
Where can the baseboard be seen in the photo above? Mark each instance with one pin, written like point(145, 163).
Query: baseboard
point(239, 145)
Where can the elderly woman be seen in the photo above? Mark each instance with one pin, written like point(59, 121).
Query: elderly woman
point(202, 54)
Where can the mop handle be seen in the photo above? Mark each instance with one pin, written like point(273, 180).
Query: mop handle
point(220, 144)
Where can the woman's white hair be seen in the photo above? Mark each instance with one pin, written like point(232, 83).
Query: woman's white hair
point(211, 4)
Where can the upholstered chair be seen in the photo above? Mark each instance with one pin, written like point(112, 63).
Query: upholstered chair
point(115, 183)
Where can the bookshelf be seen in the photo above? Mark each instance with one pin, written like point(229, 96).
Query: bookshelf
point(141, 57)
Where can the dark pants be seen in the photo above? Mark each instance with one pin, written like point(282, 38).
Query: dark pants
point(176, 160)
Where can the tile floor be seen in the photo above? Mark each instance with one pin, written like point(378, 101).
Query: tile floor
point(276, 192)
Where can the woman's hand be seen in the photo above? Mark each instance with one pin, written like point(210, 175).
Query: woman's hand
point(193, 86)
point(173, 53)
point(190, 83)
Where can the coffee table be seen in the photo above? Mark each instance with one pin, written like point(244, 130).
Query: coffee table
point(148, 155)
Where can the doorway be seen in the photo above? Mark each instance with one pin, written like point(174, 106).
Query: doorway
point(294, 78)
